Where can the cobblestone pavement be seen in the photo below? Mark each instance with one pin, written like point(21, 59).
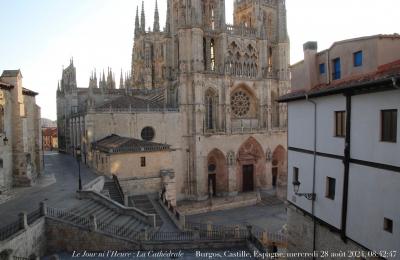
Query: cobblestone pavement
point(57, 187)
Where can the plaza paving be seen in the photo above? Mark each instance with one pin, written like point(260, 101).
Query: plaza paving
point(57, 187)
point(267, 215)
point(59, 182)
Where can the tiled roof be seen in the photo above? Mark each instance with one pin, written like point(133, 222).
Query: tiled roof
point(384, 73)
point(29, 92)
point(11, 73)
point(118, 144)
point(6, 86)
point(126, 102)
point(50, 131)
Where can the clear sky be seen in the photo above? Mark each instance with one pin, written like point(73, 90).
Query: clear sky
point(40, 36)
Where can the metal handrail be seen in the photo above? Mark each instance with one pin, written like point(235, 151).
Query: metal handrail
point(9, 230)
point(119, 188)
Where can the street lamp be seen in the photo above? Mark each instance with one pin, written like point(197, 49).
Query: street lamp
point(78, 159)
point(296, 187)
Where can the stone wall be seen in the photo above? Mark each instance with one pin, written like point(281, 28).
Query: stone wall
point(223, 203)
point(64, 237)
point(27, 242)
point(300, 236)
point(134, 186)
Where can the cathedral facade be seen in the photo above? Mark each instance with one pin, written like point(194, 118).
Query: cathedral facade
point(206, 88)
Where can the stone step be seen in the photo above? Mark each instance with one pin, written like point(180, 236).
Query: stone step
point(82, 211)
point(128, 225)
point(84, 204)
point(93, 211)
point(105, 214)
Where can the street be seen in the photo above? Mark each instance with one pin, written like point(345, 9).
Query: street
point(56, 186)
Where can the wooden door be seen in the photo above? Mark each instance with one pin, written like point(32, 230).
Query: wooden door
point(274, 176)
point(212, 183)
point(248, 178)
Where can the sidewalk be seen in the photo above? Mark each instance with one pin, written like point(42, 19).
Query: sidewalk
point(44, 180)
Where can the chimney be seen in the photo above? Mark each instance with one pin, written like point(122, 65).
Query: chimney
point(310, 64)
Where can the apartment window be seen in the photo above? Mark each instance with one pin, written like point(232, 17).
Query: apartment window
point(388, 225)
point(358, 59)
point(143, 161)
point(295, 174)
point(322, 68)
point(389, 125)
point(336, 69)
point(340, 123)
point(330, 188)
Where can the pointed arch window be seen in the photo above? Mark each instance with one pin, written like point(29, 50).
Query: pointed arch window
point(211, 110)
point(212, 55)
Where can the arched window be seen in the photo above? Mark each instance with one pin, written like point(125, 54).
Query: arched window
point(205, 53)
point(270, 59)
point(1, 119)
point(211, 111)
point(212, 54)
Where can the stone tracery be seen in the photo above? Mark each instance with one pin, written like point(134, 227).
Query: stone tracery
point(240, 102)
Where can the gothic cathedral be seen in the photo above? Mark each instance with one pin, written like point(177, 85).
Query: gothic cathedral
point(206, 88)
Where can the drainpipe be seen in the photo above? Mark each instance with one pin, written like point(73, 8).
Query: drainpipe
point(346, 163)
point(314, 169)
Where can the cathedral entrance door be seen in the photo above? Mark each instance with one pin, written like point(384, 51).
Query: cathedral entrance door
point(248, 177)
point(274, 176)
point(212, 184)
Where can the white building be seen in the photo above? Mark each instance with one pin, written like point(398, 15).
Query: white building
point(344, 148)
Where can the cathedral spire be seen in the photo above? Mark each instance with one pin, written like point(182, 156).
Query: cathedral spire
point(142, 19)
point(137, 26)
point(167, 23)
point(121, 80)
point(156, 25)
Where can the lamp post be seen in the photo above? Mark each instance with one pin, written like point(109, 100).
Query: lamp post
point(296, 187)
point(78, 159)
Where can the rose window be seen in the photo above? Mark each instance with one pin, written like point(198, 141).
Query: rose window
point(240, 103)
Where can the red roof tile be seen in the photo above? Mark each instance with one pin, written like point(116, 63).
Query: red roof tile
point(383, 72)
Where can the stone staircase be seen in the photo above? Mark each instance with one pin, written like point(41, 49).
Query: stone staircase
point(146, 204)
point(112, 189)
point(107, 216)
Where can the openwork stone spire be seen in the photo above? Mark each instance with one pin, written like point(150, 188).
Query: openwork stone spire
point(156, 25)
point(142, 19)
point(167, 23)
point(137, 25)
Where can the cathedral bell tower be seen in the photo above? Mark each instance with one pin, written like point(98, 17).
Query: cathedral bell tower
point(193, 22)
